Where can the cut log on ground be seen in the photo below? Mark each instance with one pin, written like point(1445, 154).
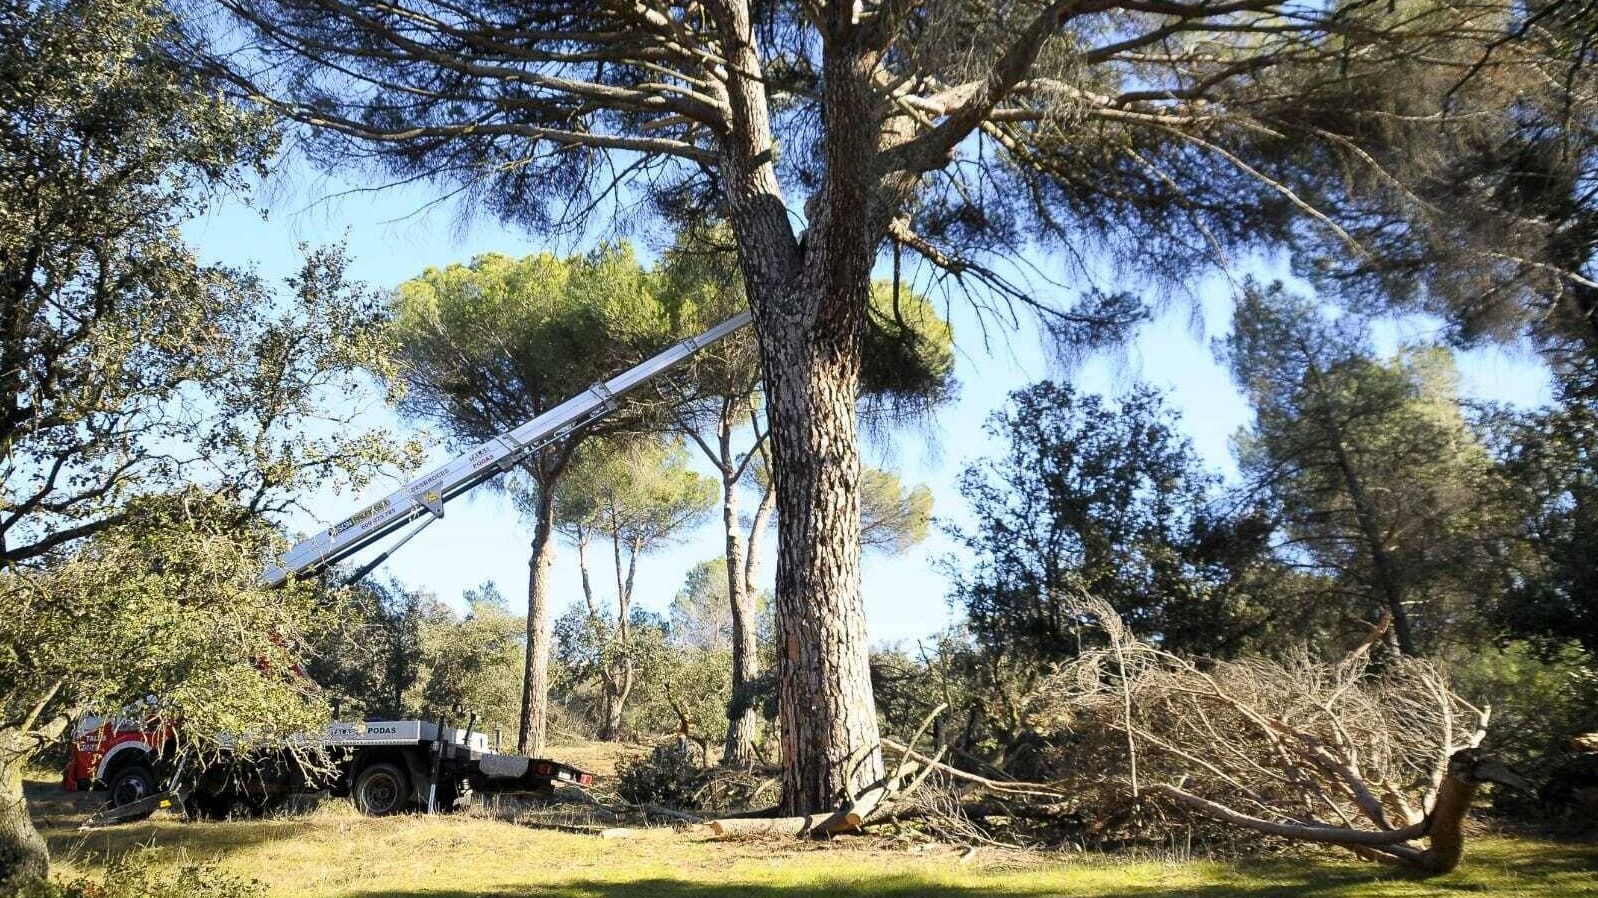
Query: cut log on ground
point(873, 802)
point(808, 825)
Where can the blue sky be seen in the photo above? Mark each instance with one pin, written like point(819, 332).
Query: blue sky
point(393, 235)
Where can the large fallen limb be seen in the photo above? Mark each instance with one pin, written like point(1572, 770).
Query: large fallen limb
point(871, 802)
point(1443, 829)
point(1309, 832)
point(807, 825)
point(1007, 788)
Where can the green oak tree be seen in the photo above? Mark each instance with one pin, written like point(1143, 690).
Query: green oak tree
point(127, 368)
point(369, 658)
point(164, 602)
point(1549, 462)
point(1085, 497)
point(471, 664)
point(1090, 497)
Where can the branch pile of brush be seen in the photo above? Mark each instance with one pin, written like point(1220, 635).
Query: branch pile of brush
point(1382, 761)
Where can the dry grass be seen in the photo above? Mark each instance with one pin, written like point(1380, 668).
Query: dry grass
point(334, 853)
point(598, 758)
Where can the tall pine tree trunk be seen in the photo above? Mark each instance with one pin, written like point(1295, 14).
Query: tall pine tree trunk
point(23, 855)
point(827, 713)
point(535, 681)
point(810, 352)
point(809, 298)
point(1385, 572)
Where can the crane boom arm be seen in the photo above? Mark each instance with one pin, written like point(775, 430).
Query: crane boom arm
point(428, 493)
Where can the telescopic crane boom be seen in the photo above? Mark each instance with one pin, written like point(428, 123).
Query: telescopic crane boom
point(425, 496)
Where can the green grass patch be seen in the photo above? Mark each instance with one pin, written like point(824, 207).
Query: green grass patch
point(336, 854)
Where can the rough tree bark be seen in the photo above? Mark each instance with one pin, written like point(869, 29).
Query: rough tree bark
point(24, 856)
point(826, 706)
point(810, 296)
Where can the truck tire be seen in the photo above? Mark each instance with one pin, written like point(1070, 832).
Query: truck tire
point(132, 783)
point(381, 789)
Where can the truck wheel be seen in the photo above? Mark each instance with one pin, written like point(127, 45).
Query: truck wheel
point(130, 784)
point(381, 789)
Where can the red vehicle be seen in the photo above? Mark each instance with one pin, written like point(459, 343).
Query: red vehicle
point(118, 754)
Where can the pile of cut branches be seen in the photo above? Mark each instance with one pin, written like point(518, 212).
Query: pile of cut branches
point(1382, 761)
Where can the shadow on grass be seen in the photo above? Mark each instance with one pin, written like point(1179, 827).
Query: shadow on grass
point(1337, 883)
point(58, 814)
point(171, 835)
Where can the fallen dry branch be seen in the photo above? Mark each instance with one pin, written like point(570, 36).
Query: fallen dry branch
point(1382, 763)
point(872, 802)
point(655, 810)
point(1003, 787)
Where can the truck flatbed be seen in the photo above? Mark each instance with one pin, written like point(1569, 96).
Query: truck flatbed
point(384, 766)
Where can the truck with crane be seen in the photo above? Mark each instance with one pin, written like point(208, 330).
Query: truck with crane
point(384, 766)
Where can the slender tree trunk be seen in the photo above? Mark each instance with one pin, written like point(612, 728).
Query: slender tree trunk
point(535, 682)
point(757, 537)
point(1387, 579)
point(610, 690)
point(582, 568)
point(624, 689)
point(23, 854)
point(619, 682)
point(610, 709)
point(739, 748)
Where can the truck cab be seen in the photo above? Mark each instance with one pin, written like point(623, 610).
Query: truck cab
point(117, 754)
